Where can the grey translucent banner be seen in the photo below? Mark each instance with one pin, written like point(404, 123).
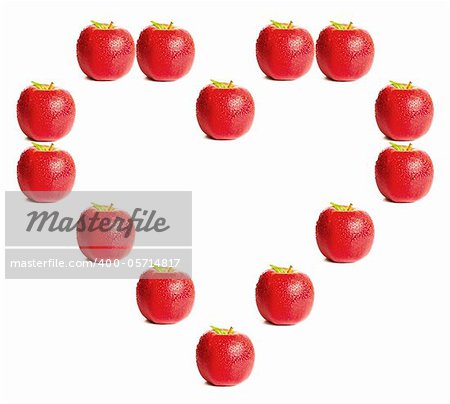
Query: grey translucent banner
point(41, 238)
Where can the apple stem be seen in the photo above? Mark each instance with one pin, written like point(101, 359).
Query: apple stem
point(51, 86)
point(409, 86)
point(350, 25)
point(349, 207)
point(289, 25)
point(110, 25)
point(409, 147)
point(230, 84)
point(163, 269)
point(230, 331)
point(170, 25)
point(110, 207)
point(282, 270)
point(51, 147)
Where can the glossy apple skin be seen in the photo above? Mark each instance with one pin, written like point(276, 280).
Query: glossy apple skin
point(45, 115)
point(284, 54)
point(165, 54)
point(165, 297)
point(225, 113)
point(404, 114)
point(225, 360)
point(344, 55)
point(404, 176)
point(344, 236)
point(98, 245)
point(45, 176)
point(284, 298)
point(105, 54)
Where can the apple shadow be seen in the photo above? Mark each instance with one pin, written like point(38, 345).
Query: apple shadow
point(268, 323)
point(279, 80)
point(206, 383)
point(29, 139)
point(386, 200)
point(217, 140)
point(146, 78)
point(155, 324)
point(387, 138)
point(337, 81)
point(336, 263)
point(99, 81)
point(28, 200)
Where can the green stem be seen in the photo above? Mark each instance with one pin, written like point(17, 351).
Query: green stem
point(222, 331)
point(282, 270)
point(342, 27)
point(41, 86)
point(42, 147)
point(158, 25)
point(102, 25)
point(163, 269)
point(282, 25)
point(222, 84)
point(342, 208)
point(401, 86)
point(400, 147)
point(103, 208)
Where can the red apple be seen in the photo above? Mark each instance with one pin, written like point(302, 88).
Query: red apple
point(45, 174)
point(104, 51)
point(165, 296)
point(403, 174)
point(344, 52)
point(165, 52)
point(105, 233)
point(224, 110)
point(225, 357)
point(284, 296)
point(403, 112)
point(284, 51)
point(45, 112)
point(344, 234)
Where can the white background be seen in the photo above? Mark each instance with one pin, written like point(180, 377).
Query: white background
point(379, 329)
